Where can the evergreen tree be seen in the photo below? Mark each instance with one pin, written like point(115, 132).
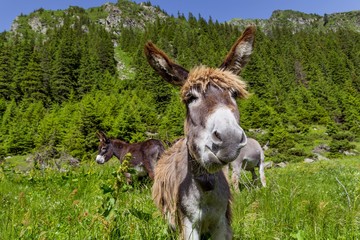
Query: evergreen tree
point(172, 123)
point(22, 52)
point(6, 88)
point(32, 83)
point(64, 67)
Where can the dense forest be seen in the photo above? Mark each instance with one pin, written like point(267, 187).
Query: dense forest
point(57, 89)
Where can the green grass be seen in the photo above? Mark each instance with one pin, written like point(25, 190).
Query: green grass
point(125, 72)
point(302, 201)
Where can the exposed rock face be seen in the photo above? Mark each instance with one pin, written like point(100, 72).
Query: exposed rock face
point(321, 148)
point(294, 17)
point(118, 18)
point(113, 20)
point(37, 26)
point(309, 160)
point(14, 25)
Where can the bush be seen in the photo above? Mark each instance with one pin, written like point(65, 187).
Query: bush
point(343, 136)
point(340, 146)
point(297, 152)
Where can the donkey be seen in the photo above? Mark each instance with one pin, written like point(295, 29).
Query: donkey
point(144, 154)
point(190, 188)
point(250, 156)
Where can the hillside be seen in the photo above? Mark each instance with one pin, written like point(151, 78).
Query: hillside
point(128, 14)
point(66, 74)
point(298, 21)
point(112, 17)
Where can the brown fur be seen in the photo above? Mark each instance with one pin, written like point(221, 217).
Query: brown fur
point(166, 189)
point(234, 63)
point(143, 154)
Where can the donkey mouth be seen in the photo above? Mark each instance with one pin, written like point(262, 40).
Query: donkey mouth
point(213, 156)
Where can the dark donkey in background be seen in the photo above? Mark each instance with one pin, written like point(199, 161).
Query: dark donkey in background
point(190, 188)
point(144, 154)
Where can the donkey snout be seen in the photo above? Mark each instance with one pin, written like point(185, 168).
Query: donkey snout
point(226, 144)
point(234, 136)
point(100, 159)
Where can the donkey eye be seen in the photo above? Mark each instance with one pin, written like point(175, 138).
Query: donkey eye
point(191, 98)
point(234, 94)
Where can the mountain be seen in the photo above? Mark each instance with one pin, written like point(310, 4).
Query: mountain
point(301, 21)
point(113, 17)
point(129, 14)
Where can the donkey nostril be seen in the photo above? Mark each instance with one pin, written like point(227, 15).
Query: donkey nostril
point(243, 141)
point(216, 136)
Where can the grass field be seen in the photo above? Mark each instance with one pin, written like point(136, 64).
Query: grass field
point(320, 200)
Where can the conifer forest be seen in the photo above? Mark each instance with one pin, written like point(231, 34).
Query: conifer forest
point(59, 88)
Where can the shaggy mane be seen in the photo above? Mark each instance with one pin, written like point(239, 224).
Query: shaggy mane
point(201, 77)
point(170, 172)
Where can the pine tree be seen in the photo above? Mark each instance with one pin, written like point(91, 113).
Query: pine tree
point(32, 82)
point(64, 79)
point(21, 56)
point(6, 88)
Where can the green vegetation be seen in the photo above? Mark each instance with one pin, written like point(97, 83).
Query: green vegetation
point(302, 201)
point(58, 89)
point(59, 86)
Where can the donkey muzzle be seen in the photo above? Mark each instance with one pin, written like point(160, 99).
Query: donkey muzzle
point(100, 159)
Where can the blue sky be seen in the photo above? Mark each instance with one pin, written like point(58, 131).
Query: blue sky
point(221, 10)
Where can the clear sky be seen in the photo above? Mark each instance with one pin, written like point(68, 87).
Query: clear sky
point(221, 10)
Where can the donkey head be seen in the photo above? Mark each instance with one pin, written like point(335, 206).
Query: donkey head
point(106, 150)
point(214, 136)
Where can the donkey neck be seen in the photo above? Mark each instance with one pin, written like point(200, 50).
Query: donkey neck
point(120, 148)
point(202, 177)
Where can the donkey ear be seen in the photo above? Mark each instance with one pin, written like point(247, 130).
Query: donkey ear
point(170, 71)
point(240, 52)
point(102, 137)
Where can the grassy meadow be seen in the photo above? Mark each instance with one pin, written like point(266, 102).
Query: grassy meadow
point(320, 200)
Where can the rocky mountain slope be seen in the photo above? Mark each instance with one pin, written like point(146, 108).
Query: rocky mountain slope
point(112, 16)
point(131, 15)
point(298, 21)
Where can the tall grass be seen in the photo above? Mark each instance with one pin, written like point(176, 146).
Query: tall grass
point(302, 201)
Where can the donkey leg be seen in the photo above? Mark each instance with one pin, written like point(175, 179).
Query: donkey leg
point(254, 176)
point(149, 167)
point(189, 230)
point(222, 231)
point(262, 174)
point(226, 172)
point(235, 176)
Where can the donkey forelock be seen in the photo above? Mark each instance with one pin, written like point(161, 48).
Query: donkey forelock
point(201, 77)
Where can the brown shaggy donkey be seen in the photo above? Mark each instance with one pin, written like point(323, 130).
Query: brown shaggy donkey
point(189, 187)
point(144, 154)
